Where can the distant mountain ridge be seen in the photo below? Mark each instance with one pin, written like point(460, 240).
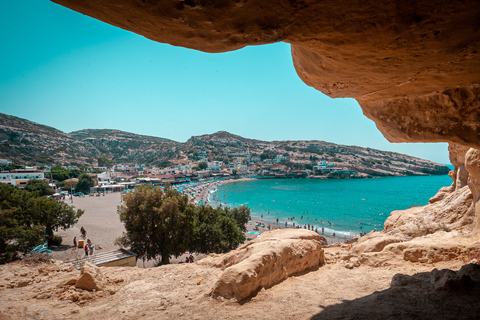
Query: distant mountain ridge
point(30, 142)
point(27, 141)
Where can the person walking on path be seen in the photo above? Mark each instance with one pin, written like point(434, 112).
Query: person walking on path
point(74, 243)
point(86, 250)
point(83, 232)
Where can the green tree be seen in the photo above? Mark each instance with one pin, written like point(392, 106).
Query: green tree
point(242, 216)
point(26, 216)
point(59, 173)
point(202, 165)
point(74, 173)
point(161, 223)
point(154, 223)
point(18, 231)
point(225, 160)
point(53, 214)
point(103, 161)
point(41, 187)
point(85, 182)
point(215, 230)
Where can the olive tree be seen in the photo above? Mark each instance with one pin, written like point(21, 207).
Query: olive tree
point(161, 223)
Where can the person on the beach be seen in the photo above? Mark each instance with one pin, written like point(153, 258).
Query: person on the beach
point(323, 230)
point(334, 234)
point(74, 243)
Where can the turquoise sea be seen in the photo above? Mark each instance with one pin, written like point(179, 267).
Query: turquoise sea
point(345, 203)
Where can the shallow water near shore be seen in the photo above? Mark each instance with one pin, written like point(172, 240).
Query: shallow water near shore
point(345, 203)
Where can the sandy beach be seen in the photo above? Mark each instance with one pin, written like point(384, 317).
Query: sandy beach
point(100, 220)
point(103, 226)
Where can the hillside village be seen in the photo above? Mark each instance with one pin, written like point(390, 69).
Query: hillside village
point(31, 150)
point(200, 164)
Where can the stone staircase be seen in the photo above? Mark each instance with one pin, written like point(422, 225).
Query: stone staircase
point(103, 258)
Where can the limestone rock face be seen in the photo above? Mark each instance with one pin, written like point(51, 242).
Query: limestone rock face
point(453, 212)
point(90, 278)
point(413, 66)
point(266, 261)
point(472, 164)
point(456, 155)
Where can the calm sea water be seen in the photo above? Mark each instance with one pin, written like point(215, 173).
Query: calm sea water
point(345, 203)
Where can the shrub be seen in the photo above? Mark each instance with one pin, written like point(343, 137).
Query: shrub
point(56, 241)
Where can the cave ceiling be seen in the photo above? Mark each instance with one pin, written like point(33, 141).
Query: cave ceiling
point(413, 66)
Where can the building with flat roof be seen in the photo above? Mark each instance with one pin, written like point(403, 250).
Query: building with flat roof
point(19, 178)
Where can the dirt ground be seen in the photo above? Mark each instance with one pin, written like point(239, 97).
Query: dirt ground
point(183, 291)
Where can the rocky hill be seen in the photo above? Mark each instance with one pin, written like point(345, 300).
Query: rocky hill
point(364, 160)
point(30, 142)
point(128, 147)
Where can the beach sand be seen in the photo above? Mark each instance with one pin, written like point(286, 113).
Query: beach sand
point(100, 220)
point(103, 226)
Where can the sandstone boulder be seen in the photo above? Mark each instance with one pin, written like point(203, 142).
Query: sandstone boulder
point(91, 278)
point(374, 242)
point(266, 261)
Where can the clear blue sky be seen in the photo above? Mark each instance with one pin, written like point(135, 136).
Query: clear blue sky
point(69, 71)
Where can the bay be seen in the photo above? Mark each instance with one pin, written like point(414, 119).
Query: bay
point(345, 203)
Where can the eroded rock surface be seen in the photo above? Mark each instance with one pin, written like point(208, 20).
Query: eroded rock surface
point(91, 278)
point(266, 261)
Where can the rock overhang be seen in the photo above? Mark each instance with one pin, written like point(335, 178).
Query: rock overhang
point(413, 66)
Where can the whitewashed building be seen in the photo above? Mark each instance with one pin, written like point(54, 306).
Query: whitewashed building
point(20, 177)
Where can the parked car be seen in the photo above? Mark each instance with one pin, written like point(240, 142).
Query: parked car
point(78, 194)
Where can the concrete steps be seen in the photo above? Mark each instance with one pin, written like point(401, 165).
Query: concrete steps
point(113, 257)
